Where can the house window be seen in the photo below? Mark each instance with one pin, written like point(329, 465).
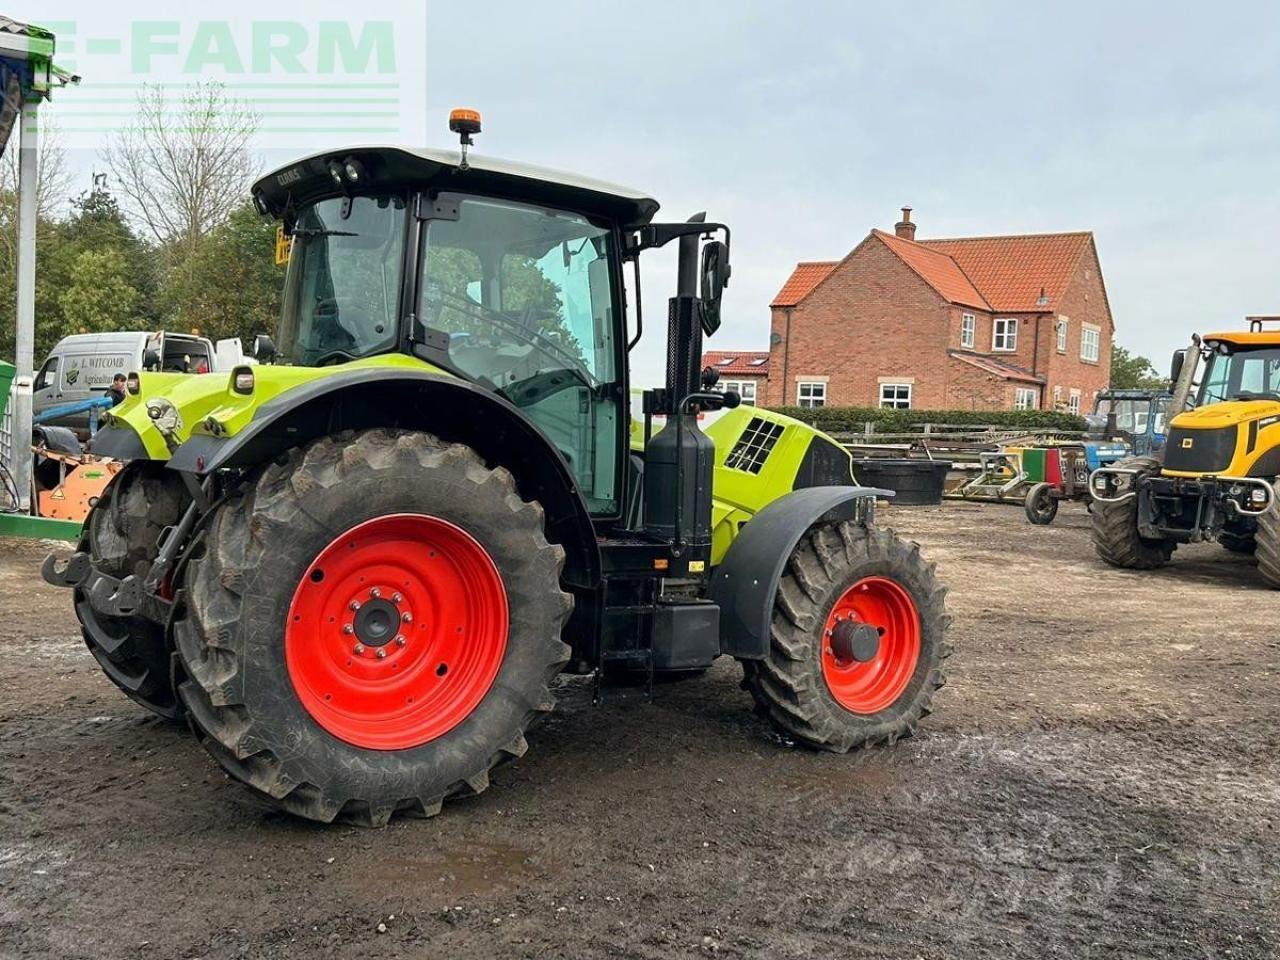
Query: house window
point(811, 393)
point(1024, 398)
point(895, 395)
point(1004, 335)
point(968, 329)
point(1063, 323)
point(1073, 403)
point(1090, 340)
point(746, 389)
point(1057, 398)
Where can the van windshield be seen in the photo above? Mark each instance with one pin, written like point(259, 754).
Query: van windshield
point(341, 293)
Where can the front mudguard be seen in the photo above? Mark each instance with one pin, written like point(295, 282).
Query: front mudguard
point(746, 581)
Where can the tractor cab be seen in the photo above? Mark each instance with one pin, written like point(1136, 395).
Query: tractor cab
point(1139, 418)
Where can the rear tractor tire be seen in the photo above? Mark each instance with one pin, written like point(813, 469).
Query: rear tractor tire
point(1115, 528)
point(373, 625)
point(857, 643)
point(1268, 540)
point(121, 536)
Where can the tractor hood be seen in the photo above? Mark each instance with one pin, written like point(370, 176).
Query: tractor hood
point(170, 408)
point(1226, 414)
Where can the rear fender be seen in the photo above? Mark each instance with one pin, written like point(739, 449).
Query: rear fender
point(745, 583)
point(452, 409)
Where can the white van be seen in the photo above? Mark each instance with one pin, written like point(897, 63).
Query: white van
point(83, 365)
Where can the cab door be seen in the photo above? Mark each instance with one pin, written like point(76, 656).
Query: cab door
point(45, 391)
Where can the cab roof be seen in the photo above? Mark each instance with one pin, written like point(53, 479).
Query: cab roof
point(1263, 338)
point(424, 168)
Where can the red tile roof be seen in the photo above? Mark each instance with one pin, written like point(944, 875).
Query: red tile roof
point(936, 269)
point(1011, 272)
point(806, 276)
point(1000, 368)
point(752, 363)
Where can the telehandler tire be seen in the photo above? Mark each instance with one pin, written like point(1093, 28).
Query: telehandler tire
point(120, 535)
point(857, 643)
point(1115, 528)
point(1268, 539)
point(373, 625)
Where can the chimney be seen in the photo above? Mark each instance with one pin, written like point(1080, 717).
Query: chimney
point(905, 228)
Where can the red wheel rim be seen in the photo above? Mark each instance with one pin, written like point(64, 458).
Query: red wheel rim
point(396, 631)
point(871, 686)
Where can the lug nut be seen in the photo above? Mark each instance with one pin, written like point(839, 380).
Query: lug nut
point(396, 598)
point(382, 653)
point(407, 617)
point(348, 629)
point(400, 641)
point(359, 648)
point(375, 592)
point(354, 605)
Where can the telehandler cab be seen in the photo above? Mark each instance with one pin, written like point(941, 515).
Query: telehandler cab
point(357, 566)
point(1217, 475)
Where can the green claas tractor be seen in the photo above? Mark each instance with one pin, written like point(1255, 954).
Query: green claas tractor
point(357, 566)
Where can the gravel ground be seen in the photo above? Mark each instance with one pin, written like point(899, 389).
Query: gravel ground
point(1101, 779)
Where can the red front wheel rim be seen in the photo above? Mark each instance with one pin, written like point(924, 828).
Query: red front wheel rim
point(871, 685)
point(396, 631)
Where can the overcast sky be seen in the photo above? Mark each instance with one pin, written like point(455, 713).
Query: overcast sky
point(804, 125)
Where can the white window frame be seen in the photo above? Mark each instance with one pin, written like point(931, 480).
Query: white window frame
point(1073, 402)
point(1090, 336)
point(1024, 398)
point(1008, 336)
point(817, 393)
point(746, 389)
point(897, 400)
point(1057, 398)
point(1063, 324)
point(968, 330)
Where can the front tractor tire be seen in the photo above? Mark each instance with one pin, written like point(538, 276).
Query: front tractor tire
point(1267, 538)
point(1115, 527)
point(373, 624)
point(857, 642)
point(121, 536)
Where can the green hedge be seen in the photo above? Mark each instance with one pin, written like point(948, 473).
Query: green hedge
point(852, 419)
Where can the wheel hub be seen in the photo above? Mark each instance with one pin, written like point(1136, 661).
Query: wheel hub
point(377, 622)
point(853, 641)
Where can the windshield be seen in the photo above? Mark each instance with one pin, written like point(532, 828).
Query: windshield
point(520, 291)
point(342, 289)
point(1241, 375)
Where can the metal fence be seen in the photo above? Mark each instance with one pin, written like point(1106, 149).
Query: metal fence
point(6, 433)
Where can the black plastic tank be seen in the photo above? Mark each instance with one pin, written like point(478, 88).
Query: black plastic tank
point(916, 483)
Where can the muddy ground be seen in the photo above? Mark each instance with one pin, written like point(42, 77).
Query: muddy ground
point(1102, 778)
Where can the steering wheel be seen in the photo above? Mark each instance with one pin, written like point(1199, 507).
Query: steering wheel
point(522, 332)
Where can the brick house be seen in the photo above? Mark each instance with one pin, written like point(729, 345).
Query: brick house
point(746, 371)
point(974, 323)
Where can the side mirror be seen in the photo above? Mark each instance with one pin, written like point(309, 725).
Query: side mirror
point(151, 360)
point(710, 377)
point(715, 277)
point(264, 349)
point(1175, 368)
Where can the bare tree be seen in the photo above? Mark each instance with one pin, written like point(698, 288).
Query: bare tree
point(53, 185)
point(183, 164)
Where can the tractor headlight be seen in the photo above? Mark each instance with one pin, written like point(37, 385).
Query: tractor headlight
point(1257, 497)
point(133, 383)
